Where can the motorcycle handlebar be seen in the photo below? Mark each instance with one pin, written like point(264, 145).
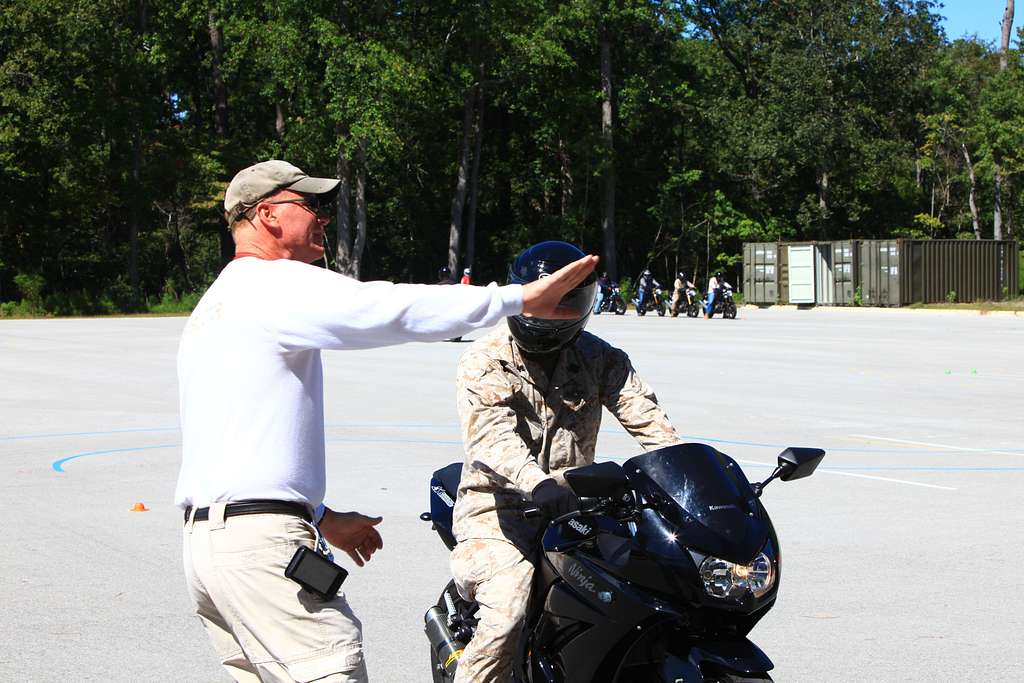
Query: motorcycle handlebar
point(586, 505)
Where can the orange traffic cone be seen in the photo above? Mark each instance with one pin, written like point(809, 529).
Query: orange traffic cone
point(139, 507)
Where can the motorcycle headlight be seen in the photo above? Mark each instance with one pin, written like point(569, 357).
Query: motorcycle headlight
point(724, 579)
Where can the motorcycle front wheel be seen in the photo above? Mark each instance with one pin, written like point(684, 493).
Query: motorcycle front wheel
point(691, 311)
point(729, 312)
point(661, 310)
point(619, 306)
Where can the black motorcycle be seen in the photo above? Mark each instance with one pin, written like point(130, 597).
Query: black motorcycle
point(612, 302)
point(692, 303)
point(724, 303)
point(659, 577)
point(655, 300)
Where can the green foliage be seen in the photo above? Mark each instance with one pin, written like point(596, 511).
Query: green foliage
point(733, 122)
point(858, 297)
point(925, 228)
point(951, 297)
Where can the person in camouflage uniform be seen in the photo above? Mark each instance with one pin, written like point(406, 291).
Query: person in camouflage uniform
point(530, 398)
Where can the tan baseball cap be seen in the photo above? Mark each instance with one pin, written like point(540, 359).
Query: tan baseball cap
point(252, 184)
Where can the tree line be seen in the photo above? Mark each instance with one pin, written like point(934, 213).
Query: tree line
point(656, 133)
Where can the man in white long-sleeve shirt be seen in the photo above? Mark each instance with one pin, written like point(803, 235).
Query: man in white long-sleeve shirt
point(253, 474)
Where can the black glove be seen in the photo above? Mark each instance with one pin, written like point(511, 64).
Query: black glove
point(554, 500)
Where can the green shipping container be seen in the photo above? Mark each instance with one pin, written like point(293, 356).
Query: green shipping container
point(845, 258)
point(901, 272)
point(760, 272)
point(880, 272)
point(936, 271)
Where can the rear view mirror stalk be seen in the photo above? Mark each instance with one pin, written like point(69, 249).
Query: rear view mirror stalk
point(794, 463)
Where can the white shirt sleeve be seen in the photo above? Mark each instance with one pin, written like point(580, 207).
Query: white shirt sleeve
point(314, 308)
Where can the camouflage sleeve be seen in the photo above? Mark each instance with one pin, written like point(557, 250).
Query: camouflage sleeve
point(633, 403)
point(493, 446)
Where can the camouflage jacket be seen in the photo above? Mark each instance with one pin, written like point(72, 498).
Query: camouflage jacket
point(519, 427)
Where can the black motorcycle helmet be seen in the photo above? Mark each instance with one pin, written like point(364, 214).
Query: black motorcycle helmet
point(537, 335)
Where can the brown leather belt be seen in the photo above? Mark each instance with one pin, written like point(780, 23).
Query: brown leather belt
point(255, 507)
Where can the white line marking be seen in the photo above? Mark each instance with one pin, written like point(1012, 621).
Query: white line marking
point(863, 476)
point(935, 445)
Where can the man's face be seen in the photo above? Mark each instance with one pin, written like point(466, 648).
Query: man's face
point(300, 226)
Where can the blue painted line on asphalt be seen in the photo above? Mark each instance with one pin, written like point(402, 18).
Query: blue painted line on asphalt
point(22, 437)
point(58, 465)
point(900, 451)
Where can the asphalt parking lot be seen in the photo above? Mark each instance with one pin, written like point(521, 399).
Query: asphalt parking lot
point(900, 554)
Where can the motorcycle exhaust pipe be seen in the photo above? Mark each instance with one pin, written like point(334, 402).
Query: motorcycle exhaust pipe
point(448, 649)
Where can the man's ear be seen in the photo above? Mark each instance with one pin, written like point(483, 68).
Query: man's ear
point(267, 217)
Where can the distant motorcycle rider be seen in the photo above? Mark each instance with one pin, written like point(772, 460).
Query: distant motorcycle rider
point(530, 397)
point(713, 284)
point(646, 284)
point(604, 290)
point(679, 290)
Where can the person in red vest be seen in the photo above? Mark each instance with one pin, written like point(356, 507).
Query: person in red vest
point(465, 277)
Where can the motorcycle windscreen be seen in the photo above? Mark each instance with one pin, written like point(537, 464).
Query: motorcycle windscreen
point(704, 494)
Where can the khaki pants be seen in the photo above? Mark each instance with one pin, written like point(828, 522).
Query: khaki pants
point(499, 578)
point(264, 626)
point(677, 299)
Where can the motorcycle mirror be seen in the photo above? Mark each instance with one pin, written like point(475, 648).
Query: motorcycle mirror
point(600, 480)
point(794, 463)
point(797, 463)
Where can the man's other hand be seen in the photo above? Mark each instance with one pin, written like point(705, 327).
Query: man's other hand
point(541, 297)
point(352, 532)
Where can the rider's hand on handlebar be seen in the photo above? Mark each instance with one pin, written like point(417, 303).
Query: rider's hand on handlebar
point(553, 499)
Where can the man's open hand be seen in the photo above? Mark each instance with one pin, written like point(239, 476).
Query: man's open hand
point(541, 297)
point(352, 532)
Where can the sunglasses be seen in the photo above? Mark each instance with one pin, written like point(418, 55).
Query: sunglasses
point(320, 207)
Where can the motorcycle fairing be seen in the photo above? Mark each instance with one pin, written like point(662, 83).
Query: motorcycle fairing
point(732, 656)
point(706, 495)
point(569, 587)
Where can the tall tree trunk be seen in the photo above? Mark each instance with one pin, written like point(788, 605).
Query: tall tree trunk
point(997, 158)
point(568, 185)
point(474, 178)
point(1007, 25)
point(823, 191)
point(135, 196)
point(279, 120)
point(220, 118)
point(459, 197)
point(608, 217)
point(997, 197)
point(360, 241)
point(343, 257)
point(133, 227)
point(973, 196)
point(220, 91)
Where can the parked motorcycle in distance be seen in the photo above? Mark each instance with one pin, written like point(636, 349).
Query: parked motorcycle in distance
point(613, 302)
point(659, 577)
point(656, 301)
point(693, 303)
point(724, 303)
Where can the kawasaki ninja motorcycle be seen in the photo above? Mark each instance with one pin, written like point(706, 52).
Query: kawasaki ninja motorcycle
point(659, 577)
